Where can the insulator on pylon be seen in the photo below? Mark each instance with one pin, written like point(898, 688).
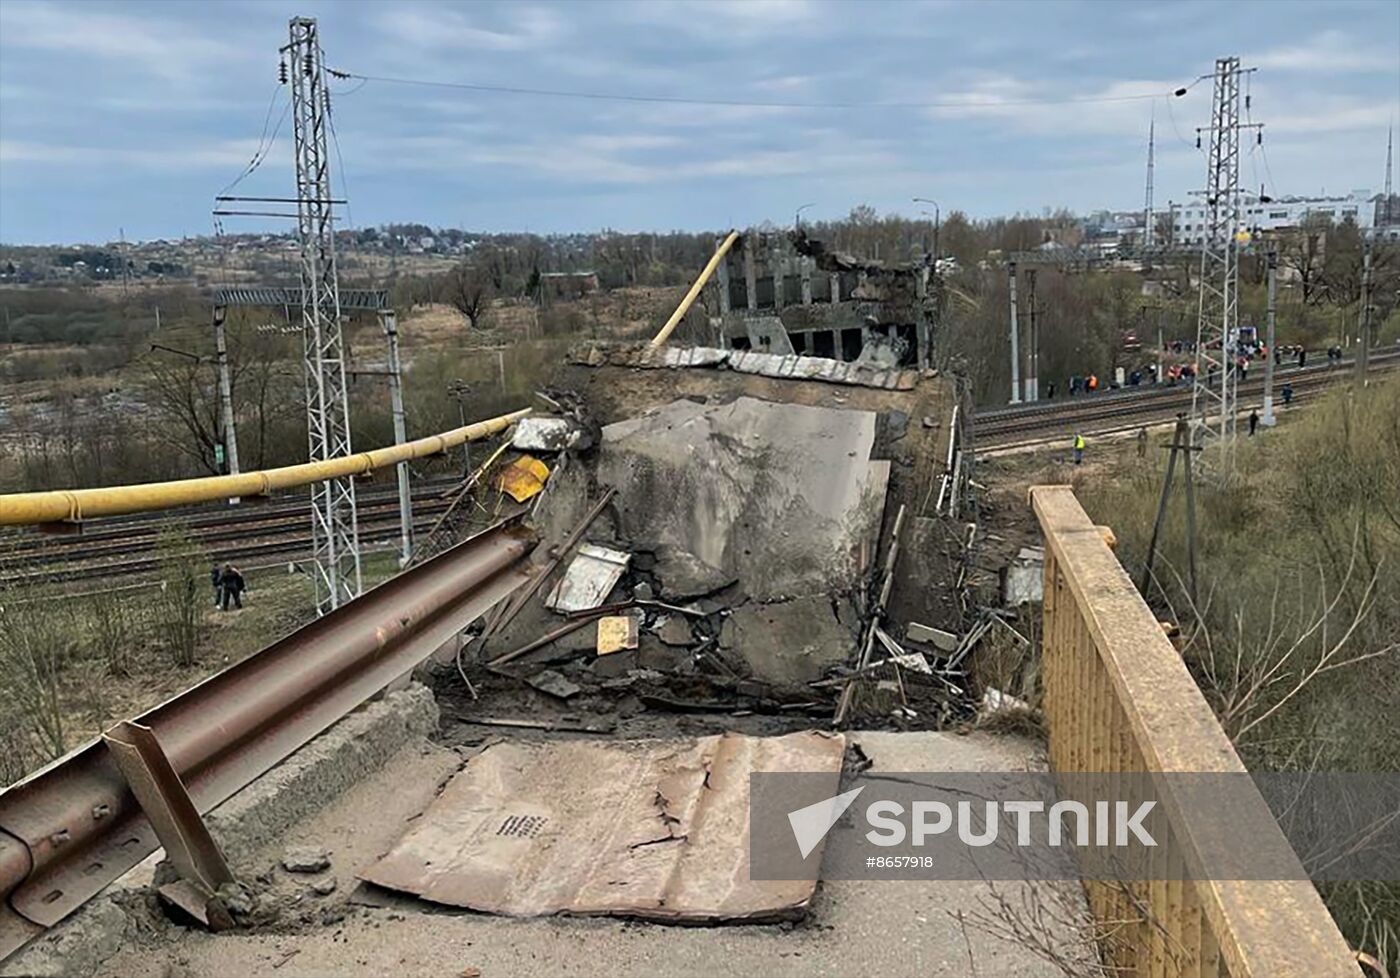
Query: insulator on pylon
point(306, 65)
point(282, 72)
point(1198, 140)
point(1259, 139)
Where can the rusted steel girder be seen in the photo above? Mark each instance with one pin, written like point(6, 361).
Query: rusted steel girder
point(75, 826)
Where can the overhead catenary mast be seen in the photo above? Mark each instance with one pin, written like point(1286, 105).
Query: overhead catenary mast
point(1215, 387)
point(334, 527)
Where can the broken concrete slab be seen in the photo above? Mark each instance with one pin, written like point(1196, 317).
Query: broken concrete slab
point(652, 829)
point(792, 642)
point(782, 497)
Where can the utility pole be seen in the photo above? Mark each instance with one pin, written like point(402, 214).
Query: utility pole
point(334, 526)
point(1269, 358)
point(389, 322)
point(1033, 359)
point(1363, 355)
point(1389, 212)
point(1015, 341)
point(1147, 216)
point(226, 422)
point(1214, 409)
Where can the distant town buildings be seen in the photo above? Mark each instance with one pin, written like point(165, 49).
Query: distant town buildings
point(1366, 210)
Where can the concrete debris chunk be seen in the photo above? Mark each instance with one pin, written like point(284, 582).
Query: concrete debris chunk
point(939, 639)
point(554, 683)
point(306, 859)
point(676, 631)
point(542, 434)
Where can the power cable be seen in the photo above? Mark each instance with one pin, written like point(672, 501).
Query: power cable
point(264, 142)
point(744, 103)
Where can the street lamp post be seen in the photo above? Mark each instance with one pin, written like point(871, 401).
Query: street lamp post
point(937, 223)
point(797, 218)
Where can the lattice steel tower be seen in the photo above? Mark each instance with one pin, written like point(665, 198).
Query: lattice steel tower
point(334, 527)
point(1215, 386)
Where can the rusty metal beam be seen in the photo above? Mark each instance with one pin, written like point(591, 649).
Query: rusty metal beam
point(75, 826)
point(178, 826)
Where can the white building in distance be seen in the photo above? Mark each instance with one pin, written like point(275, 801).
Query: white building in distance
point(1366, 210)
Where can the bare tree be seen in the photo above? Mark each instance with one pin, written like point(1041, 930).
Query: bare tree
point(469, 288)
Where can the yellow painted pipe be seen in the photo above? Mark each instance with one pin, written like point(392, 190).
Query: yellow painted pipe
point(21, 508)
point(694, 292)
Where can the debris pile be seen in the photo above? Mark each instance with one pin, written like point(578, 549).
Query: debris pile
point(715, 557)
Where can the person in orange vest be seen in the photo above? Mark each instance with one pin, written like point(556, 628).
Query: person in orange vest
point(1093, 383)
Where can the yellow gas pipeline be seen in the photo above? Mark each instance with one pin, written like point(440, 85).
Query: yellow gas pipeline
point(694, 292)
point(59, 505)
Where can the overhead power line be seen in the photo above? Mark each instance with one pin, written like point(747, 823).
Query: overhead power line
point(972, 102)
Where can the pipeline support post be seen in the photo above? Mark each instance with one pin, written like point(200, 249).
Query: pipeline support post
point(226, 420)
point(389, 322)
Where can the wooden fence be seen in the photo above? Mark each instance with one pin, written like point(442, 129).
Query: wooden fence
point(1119, 700)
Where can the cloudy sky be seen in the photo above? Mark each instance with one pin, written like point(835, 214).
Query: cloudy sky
point(135, 115)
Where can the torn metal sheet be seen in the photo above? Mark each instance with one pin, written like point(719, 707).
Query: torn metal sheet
point(523, 478)
point(591, 576)
point(651, 829)
point(617, 633)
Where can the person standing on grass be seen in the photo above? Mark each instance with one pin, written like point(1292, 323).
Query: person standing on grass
point(233, 586)
point(1142, 442)
point(1078, 449)
point(215, 577)
point(1253, 421)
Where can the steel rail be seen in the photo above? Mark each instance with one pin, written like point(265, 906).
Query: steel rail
point(71, 505)
point(1092, 414)
point(73, 827)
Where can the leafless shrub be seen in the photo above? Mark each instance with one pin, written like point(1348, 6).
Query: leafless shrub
point(34, 644)
point(181, 603)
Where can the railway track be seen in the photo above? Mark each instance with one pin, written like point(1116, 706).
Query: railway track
point(1098, 413)
point(125, 546)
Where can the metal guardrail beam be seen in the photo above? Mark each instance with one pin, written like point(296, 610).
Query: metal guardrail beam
point(75, 826)
point(1119, 700)
point(364, 300)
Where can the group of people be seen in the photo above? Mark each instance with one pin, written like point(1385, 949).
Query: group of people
point(228, 586)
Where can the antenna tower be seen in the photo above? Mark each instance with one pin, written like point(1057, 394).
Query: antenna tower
point(1215, 387)
point(334, 527)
